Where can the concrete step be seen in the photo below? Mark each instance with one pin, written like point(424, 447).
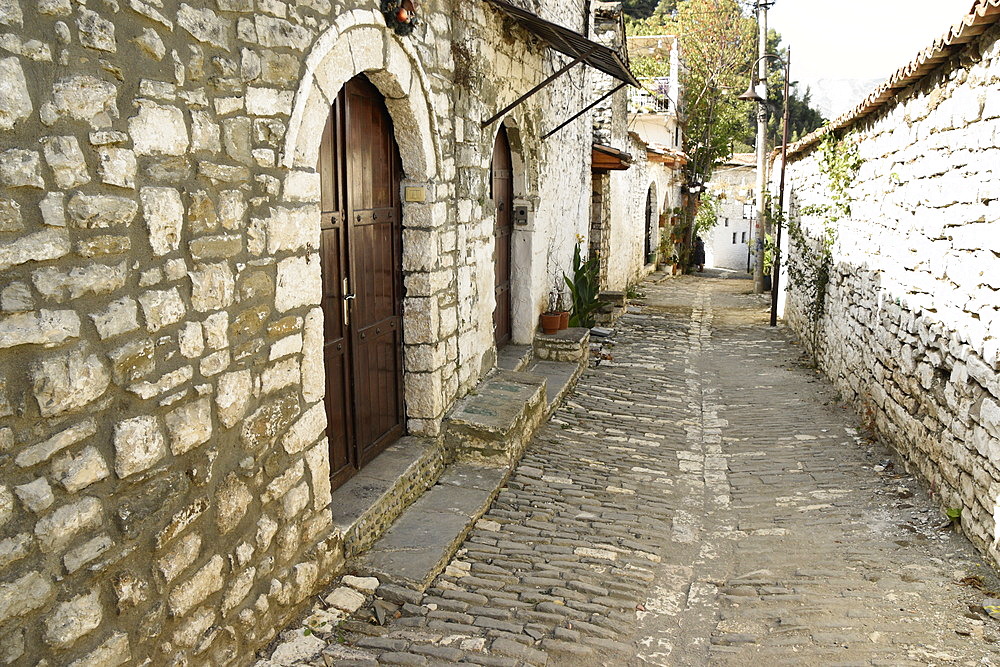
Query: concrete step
point(492, 424)
point(423, 539)
point(370, 501)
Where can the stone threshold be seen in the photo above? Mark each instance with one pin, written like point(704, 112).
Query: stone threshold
point(483, 439)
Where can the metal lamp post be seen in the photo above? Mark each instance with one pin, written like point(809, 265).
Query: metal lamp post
point(752, 95)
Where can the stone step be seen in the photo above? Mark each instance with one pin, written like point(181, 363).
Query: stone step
point(367, 504)
point(559, 377)
point(494, 422)
point(514, 357)
point(423, 539)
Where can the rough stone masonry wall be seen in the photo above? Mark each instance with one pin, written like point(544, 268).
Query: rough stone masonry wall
point(911, 330)
point(165, 485)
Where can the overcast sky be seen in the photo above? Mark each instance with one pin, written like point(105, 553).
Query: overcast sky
point(860, 39)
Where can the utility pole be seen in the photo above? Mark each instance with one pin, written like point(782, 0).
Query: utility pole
point(758, 271)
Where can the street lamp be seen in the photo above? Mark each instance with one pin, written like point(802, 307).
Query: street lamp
point(751, 95)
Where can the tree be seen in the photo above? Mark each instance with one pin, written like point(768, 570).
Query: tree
point(716, 44)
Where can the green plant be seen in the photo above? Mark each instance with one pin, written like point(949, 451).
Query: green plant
point(584, 287)
point(707, 216)
point(810, 266)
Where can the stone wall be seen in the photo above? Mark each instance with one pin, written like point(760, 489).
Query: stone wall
point(910, 331)
point(165, 490)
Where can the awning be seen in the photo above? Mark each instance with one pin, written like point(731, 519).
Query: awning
point(607, 158)
point(568, 42)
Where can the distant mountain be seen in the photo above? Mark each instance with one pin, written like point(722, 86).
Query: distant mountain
point(833, 97)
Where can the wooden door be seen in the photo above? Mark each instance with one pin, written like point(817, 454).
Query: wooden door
point(361, 258)
point(650, 226)
point(502, 189)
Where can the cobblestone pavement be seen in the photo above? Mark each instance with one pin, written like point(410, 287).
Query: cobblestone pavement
point(700, 499)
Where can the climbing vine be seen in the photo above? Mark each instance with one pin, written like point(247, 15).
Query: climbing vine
point(812, 262)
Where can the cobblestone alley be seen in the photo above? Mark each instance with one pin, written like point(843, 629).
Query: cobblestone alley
point(701, 498)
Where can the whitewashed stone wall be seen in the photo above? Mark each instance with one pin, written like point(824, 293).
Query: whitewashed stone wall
point(165, 491)
point(734, 185)
point(911, 330)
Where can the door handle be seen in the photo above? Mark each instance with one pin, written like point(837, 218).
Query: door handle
point(348, 297)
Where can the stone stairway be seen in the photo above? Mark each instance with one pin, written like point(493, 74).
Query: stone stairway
point(484, 437)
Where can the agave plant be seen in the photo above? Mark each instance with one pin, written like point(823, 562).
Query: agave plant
point(584, 286)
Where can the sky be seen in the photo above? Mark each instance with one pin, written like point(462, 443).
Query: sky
point(860, 39)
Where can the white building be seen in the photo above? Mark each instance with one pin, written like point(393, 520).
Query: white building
point(729, 244)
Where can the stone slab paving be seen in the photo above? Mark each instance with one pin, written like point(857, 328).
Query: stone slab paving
point(700, 498)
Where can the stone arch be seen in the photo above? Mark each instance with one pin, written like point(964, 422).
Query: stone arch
point(355, 45)
point(359, 42)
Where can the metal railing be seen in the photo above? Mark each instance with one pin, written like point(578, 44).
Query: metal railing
point(652, 97)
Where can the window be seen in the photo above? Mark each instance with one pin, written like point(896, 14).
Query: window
point(744, 237)
point(734, 238)
point(726, 220)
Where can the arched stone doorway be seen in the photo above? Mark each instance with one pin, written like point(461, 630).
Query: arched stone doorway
point(361, 262)
point(352, 47)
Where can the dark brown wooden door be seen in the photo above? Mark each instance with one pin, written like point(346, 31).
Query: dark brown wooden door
point(502, 188)
point(361, 257)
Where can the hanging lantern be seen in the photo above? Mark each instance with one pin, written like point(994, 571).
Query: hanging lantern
point(400, 15)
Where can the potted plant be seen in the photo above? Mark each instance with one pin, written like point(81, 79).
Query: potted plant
point(561, 309)
point(549, 320)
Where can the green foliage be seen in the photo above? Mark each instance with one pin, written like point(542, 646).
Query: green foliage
point(707, 216)
point(584, 286)
point(649, 67)
point(813, 258)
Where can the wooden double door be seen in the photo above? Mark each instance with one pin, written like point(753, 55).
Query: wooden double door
point(361, 259)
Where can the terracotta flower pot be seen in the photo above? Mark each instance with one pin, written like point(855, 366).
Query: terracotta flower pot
point(549, 322)
point(563, 319)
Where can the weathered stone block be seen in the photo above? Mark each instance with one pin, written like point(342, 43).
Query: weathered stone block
point(204, 25)
point(212, 287)
point(101, 211)
point(21, 168)
point(56, 530)
point(232, 502)
point(280, 375)
point(121, 316)
point(238, 589)
point(299, 283)
point(158, 129)
point(306, 430)
point(73, 619)
point(192, 592)
point(139, 444)
point(96, 32)
point(179, 556)
point(78, 472)
point(68, 381)
point(275, 32)
point(65, 158)
point(15, 102)
point(161, 308)
point(40, 246)
point(36, 495)
point(189, 425)
point(117, 166)
point(293, 229)
point(105, 244)
point(90, 550)
point(23, 595)
point(113, 652)
point(233, 396)
point(45, 327)
point(45, 450)
point(270, 419)
point(80, 281)
point(15, 548)
point(10, 216)
point(82, 97)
